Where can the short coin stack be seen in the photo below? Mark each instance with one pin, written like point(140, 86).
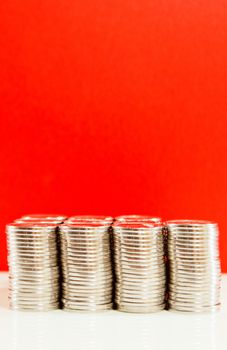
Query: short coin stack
point(194, 266)
point(139, 266)
point(33, 266)
point(86, 265)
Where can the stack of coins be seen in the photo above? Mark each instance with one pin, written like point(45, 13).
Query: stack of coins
point(86, 266)
point(33, 266)
point(139, 267)
point(194, 265)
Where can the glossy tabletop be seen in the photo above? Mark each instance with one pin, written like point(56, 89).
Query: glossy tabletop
point(111, 329)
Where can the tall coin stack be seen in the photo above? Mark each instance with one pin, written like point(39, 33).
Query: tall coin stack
point(139, 266)
point(194, 266)
point(86, 265)
point(33, 265)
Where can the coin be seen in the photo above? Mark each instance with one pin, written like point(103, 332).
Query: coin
point(138, 218)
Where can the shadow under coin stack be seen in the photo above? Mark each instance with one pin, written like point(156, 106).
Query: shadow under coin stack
point(33, 265)
point(139, 266)
point(86, 264)
point(194, 266)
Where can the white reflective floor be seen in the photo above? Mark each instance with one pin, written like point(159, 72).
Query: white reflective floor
point(111, 330)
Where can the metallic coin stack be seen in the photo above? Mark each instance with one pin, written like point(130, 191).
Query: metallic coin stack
point(33, 266)
point(139, 267)
point(86, 266)
point(194, 265)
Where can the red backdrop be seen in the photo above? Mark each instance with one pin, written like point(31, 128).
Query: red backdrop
point(113, 107)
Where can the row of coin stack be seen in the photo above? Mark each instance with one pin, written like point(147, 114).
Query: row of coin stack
point(92, 263)
point(139, 264)
point(194, 263)
point(86, 264)
point(33, 263)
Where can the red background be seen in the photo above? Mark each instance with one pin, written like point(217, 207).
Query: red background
point(111, 107)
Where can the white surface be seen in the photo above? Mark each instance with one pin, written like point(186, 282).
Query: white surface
point(111, 330)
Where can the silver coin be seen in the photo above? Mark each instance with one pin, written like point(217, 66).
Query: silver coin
point(87, 287)
point(95, 299)
point(92, 299)
point(152, 293)
point(86, 269)
point(68, 306)
point(33, 231)
point(138, 254)
point(86, 249)
point(153, 300)
point(139, 309)
point(193, 238)
point(195, 309)
point(27, 255)
point(139, 249)
point(38, 308)
point(142, 261)
point(106, 292)
point(139, 289)
point(34, 291)
point(192, 287)
point(199, 278)
point(195, 304)
point(23, 282)
point(84, 279)
point(87, 262)
point(26, 300)
point(86, 274)
point(158, 268)
point(202, 300)
point(139, 304)
point(138, 277)
point(29, 250)
point(140, 294)
point(41, 306)
point(42, 272)
point(86, 244)
point(136, 218)
point(103, 251)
